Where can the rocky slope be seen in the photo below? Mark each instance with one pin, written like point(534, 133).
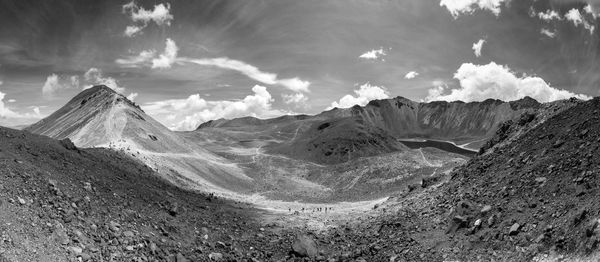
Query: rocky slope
point(538, 193)
point(62, 203)
point(99, 116)
point(510, 130)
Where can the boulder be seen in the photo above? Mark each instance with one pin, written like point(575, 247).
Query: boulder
point(486, 209)
point(514, 229)
point(215, 256)
point(304, 246)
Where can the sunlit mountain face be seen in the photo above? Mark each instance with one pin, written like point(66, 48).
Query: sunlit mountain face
point(187, 62)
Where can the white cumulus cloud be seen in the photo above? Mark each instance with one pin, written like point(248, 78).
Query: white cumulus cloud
point(151, 58)
point(296, 98)
point(167, 58)
point(132, 30)
point(411, 75)
point(548, 33)
point(364, 94)
point(189, 113)
point(94, 76)
point(52, 85)
point(373, 54)
point(9, 117)
point(56, 83)
point(480, 82)
point(132, 96)
point(577, 18)
point(160, 15)
point(458, 7)
point(590, 10)
point(477, 47)
point(6, 112)
point(574, 16)
point(549, 15)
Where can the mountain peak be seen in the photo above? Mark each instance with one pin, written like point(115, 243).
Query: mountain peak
point(98, 88)
point(92, 105)
point(525, 102)
point(401, 98)
point(100, 94)
point(95, 91)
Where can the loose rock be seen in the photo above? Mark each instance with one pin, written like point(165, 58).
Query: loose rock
point(304, 246)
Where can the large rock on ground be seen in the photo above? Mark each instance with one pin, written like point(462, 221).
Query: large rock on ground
point(304, 246)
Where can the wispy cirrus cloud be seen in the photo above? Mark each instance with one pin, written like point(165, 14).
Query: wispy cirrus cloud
point(169, 57)
point(137, 60)
point(294, 84)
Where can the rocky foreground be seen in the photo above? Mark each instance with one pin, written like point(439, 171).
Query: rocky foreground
point(61, 203)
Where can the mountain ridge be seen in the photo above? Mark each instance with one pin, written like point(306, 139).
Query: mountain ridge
point(373, 129)
point(220, 122)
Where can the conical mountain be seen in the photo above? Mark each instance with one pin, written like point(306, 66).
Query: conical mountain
point(101, 117)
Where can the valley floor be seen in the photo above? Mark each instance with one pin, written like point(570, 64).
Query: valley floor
point(59, 203)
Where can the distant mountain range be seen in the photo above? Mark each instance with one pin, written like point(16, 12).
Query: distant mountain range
point(339, 135)
point(234, 156)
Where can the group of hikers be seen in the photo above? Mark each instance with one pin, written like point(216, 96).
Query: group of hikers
point(316, 209)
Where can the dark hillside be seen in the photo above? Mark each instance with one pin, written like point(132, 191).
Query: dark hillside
point(542, 190)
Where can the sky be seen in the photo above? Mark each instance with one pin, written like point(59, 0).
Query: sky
point(186, 62)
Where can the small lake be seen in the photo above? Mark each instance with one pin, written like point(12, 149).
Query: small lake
point(442, 145)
